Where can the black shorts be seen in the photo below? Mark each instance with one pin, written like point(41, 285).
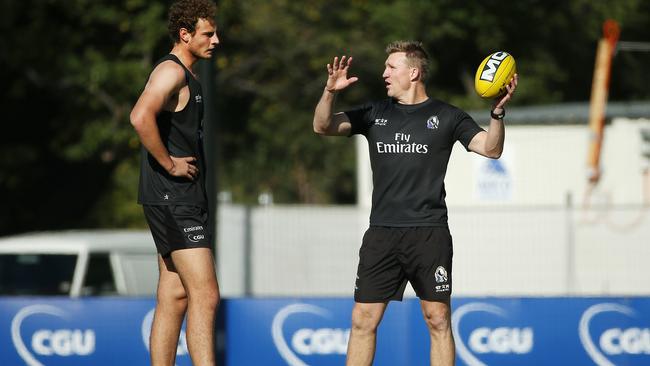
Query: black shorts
point(176, 227)
point(391, 256)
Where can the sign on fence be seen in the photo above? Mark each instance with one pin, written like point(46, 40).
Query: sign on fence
point(298, 332)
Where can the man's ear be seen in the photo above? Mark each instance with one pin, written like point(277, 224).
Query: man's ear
point(184, 35)
point(415, 74)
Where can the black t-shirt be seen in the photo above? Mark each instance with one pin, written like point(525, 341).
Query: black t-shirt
point(182, 134)
point(409, 148)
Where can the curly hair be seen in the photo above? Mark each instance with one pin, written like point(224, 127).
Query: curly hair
point(186, 13)
point(416, 56)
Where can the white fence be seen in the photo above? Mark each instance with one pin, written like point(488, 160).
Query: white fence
point(555, 250)
point(515, 230)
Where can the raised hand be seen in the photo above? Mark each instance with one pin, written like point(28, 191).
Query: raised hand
point(501, 101)
point(337, 72)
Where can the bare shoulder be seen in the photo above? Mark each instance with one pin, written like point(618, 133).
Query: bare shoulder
point(163, 86)
point(167, 76)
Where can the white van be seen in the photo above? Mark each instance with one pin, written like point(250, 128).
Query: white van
point(79, 263)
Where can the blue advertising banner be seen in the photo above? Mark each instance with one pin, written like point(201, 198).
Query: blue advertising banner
point(488, 331)
point(315, 331)
point(552, 331)
point(91, 331)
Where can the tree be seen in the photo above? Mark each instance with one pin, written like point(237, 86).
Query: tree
point(73, 69)
point(274, 53)
point(70, 80)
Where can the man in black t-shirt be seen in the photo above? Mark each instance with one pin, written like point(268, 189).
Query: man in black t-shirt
point(410, 137)
point(168, 118)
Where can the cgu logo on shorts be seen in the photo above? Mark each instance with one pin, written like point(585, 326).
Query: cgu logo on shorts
point(62, 342)
point(485, 340)
point(307, 341)
point(195, 238)
point(613, 341)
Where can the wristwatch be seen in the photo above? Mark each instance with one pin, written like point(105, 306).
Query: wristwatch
point(498, 116)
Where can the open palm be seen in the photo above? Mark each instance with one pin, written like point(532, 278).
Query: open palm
point(337, 78)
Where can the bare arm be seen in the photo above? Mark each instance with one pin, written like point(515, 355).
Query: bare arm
point(490, 143)
point(164, 84)
point(325, 122)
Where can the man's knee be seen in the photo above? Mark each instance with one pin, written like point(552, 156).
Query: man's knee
point(173, 295)
point(206, 295)
point(437, 317)
point(366, 319)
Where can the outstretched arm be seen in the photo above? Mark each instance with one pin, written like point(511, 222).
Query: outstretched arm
point(490, 143)
point(325, 122)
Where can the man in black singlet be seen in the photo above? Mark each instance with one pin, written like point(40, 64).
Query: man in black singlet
point(410, 137)
point(168, 118)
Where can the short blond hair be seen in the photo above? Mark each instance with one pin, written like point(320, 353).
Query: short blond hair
point(416, 56)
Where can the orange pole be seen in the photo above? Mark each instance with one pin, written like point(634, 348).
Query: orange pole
point(599, 94)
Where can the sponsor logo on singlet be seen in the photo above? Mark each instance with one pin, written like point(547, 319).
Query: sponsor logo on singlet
point(381, 122)
point(402, 145)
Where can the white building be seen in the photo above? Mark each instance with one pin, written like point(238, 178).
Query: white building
point(526, 224)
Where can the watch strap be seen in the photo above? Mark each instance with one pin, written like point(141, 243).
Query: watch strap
point(498, 116)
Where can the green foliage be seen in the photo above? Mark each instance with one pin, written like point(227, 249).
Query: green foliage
point(272, 71)
point(71, 71)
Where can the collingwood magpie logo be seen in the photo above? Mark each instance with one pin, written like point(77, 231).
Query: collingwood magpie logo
point(441, 278)
point(441, 274)
point(381, 121)
point(433, 122)
point(198, 99)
